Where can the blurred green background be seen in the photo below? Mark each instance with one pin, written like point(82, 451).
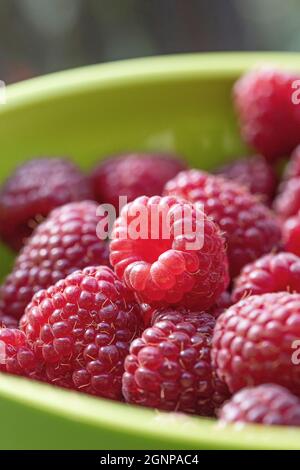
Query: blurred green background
point(40, 36)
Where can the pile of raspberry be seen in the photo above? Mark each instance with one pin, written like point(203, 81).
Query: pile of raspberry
point(190, 301)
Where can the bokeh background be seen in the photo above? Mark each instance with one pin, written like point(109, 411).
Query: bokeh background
point(40, 36)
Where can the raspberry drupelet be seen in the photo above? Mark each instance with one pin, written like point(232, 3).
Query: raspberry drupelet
point(271, 273)
point(169, 367)
point(269, 119)
point(133, 175)
point(266, 404)
point(16, 355)
point(291, 234)
point(179, 259)
point(33, 190)
point(287, 202)
point(65, 242)
point(254, 341)
point(254, 173)
point(250, 227)
point(80, 330)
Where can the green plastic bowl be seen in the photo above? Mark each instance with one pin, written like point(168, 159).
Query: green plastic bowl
point(178, 103)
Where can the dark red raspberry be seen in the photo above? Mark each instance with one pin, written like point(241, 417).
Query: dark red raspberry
point(65, 242)
point(266, 404)
point(271, 273)
point(287, 202)
point(269, 119)
point(169, 367)
point(224, 302)
point(16, 356)
point(250, 227)
point(254, 339)
point(291, 234)
point(254, 173)
point(33, 191)
point(80, 330)
point(133, 175)
point(185, 263)
point(6, 321)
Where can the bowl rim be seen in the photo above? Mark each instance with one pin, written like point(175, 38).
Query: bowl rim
point(192, 431)
point(165, 427)
point(131, 72)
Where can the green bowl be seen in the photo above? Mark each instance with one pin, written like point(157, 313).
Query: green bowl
point(178, 103)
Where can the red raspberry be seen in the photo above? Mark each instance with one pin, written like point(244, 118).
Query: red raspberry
point(6, 321)
point(270, 121)
point(223, 303)
point(254, 173)
point(250, 227)
point(33, 191)
point(266, 404)
point(254, 339)
point(169, 269)
point(65, 242)
point(291, 234)
point(292, 169)
point(80, 330)
point(133, 175)
point(271, 273)
point(169, 367)
point(287, 202)
point(16, 356)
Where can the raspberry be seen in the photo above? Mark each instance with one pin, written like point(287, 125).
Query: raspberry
point(287, 202)
point(271, 273)
point(65, 242)
point(169, 267)
point(133, 175)
point(7, 321)
point(269, 120)
point(254, 339)
point(292, 169)
point(291, 234)
point(80, 330)
point(266, 404)
point(16, 356)
point(250, 227)
point(169, 367)
point(33, 191)
point(254, 173)
point(224, 302)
